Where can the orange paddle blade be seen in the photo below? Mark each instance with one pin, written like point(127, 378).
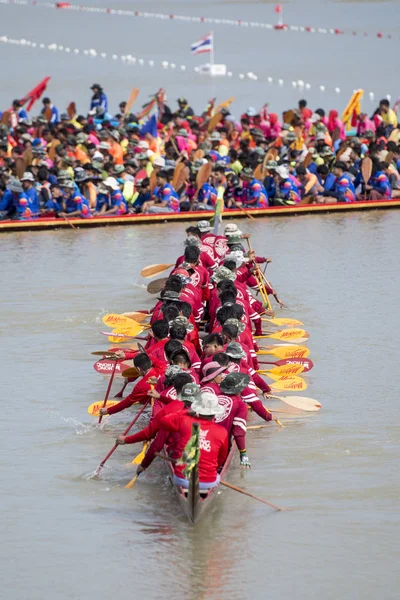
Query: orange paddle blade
point(152, 270)
point(138, 459)
point(301, 402)
point(94, 409)
point(123, 334)
point(133, 95)
point(287, 351)
point(203, 175)
point(289, 384)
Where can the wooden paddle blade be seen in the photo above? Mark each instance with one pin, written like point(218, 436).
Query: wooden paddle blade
point(301, 402)
point(105, 353)
point(5, 117)
point(71, 110)
point(198, 154)
point(213, 122)
point(282, 377)
point(20, 167)
point(94, 409)
point(291, 384)
point(153, 181)
point(291, 370)
point(310, 183)
point(114, 320)
point(287, 351)
point(28, 157)
point(203, 175)
point(288, 116)
point(225, 104)
point(152, 270)
point(131, 372)
point(183, 178)
point(129, 330)
point(48, 113)
point(133, 95)
point(136, 316)
point(177, 173)
point(138, 459)
point(366, 169)
point(157, 285)
point(394, 136)
point(282, 322)
point(307, 160)
point(258, 173)
point(53, 147)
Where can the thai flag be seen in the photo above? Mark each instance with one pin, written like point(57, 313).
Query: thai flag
point(203, 45)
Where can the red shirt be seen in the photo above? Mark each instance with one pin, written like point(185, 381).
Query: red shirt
point(213, 443)
point(153, 427)
point(138, 394)
point(234, 417)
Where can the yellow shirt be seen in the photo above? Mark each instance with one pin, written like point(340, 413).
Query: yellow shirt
point(389, 118)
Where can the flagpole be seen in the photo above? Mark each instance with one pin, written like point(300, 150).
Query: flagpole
point(212, 49)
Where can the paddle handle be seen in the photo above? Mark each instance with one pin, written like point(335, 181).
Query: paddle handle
point(109, 388)
point(226, 484)
point(113, 449)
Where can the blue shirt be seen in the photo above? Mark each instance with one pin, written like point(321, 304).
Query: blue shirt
point(100, 101)
point(54, 114)
point(32, 196)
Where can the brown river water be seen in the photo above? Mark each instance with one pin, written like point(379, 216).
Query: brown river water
point(65, 536)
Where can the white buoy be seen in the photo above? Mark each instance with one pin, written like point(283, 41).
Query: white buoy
point(337, 90)
point(165, 64)
point(183, 68)
point(371, 95)
point(322, 88)
point(115, 56)
point(294, 84)
point(280, 81)
point(300, 83)
point(151, 63)
point(388, 97)
point(308, 86)
point(241, 76)
point(269, 79)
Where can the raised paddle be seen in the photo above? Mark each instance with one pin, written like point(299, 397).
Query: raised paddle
point(306, 363)
point(5, 117)
point(282, 370)
point(282, 321)
point(113, 449)
point(301, 402)
point(109, 387)
point(132, 97)
point(394, 136)
point(203, 175)
point(94, 409)
point(177, 174)
point(157, 285)
point(366, 172)
point(152, 270)
point(232, 487)
point(153, 182)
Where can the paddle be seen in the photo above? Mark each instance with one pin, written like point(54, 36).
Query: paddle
point(131, 372)
point(248, 215)
point(393, 137)
point(152, 270)
point(232, 487)
point(301, 402)
point(213, 122)
point(366, 172)
point(203, 175)
point(105, 354)
point(20, 167)
point(94, 409)
point(291, 384)
point(177, 173)
point(284, 334)
point(260, 279)
point(105, 366)
point(292, 369)
point(114, 320)
point(287, 351)
point(70, 224)
point(71, 110)
point(113, 449)
point(157, 285)
point(109, 388)
point(305, 363)
point(279, 322)
point(133, 95)
point(137, 316)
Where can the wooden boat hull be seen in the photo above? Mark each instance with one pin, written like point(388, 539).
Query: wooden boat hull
point(273, 211)
point(194, 506)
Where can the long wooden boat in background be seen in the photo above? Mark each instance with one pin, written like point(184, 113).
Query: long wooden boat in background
point(192, 503)
point(272, 211)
